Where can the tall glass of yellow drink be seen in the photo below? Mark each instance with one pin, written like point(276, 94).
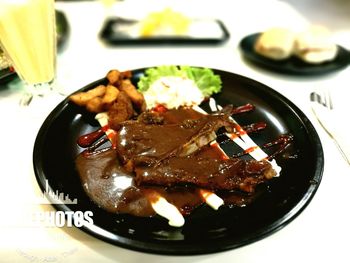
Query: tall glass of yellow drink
point(28, 37)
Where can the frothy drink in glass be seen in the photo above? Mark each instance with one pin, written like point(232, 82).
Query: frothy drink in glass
point(28, 36)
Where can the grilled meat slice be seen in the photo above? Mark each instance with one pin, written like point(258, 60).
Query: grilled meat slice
point(173, 149)
point(205, 170)
point(149, 144)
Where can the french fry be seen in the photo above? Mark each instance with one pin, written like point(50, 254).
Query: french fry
point(110, 96)
point(82, 98)
point(126, 74)
point(95, 105)
point(98, 91)
point(136, 97)
point(113, 76)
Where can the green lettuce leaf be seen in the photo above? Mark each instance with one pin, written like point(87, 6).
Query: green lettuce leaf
point(205, 79)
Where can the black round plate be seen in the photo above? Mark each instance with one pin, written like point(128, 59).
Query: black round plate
point(293, 65)
point(205, 230)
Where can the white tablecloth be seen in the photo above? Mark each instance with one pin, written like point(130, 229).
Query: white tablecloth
point(320, 233)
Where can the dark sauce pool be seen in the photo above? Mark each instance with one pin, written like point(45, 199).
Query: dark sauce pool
point(112, 188)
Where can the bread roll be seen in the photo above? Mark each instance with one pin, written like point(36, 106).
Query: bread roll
point(315, 46)
point(275, 43)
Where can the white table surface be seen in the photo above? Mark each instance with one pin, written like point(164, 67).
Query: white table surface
point(319, 234)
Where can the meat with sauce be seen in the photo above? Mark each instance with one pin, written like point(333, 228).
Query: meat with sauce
point(172, 153)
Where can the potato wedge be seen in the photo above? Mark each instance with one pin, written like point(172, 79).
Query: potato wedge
point(95, 105)
point(113, 76)
point(81, 98)
point(110, 96)
point(98, 91)
point(136, 97)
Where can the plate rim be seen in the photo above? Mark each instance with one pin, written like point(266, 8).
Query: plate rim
point(164, 248)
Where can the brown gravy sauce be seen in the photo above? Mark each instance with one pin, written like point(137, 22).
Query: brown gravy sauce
point(112, 188)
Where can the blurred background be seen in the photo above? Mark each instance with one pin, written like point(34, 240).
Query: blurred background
point(332, 13)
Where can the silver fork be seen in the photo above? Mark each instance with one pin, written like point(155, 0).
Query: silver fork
point(323, 97)
point(323, 108)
